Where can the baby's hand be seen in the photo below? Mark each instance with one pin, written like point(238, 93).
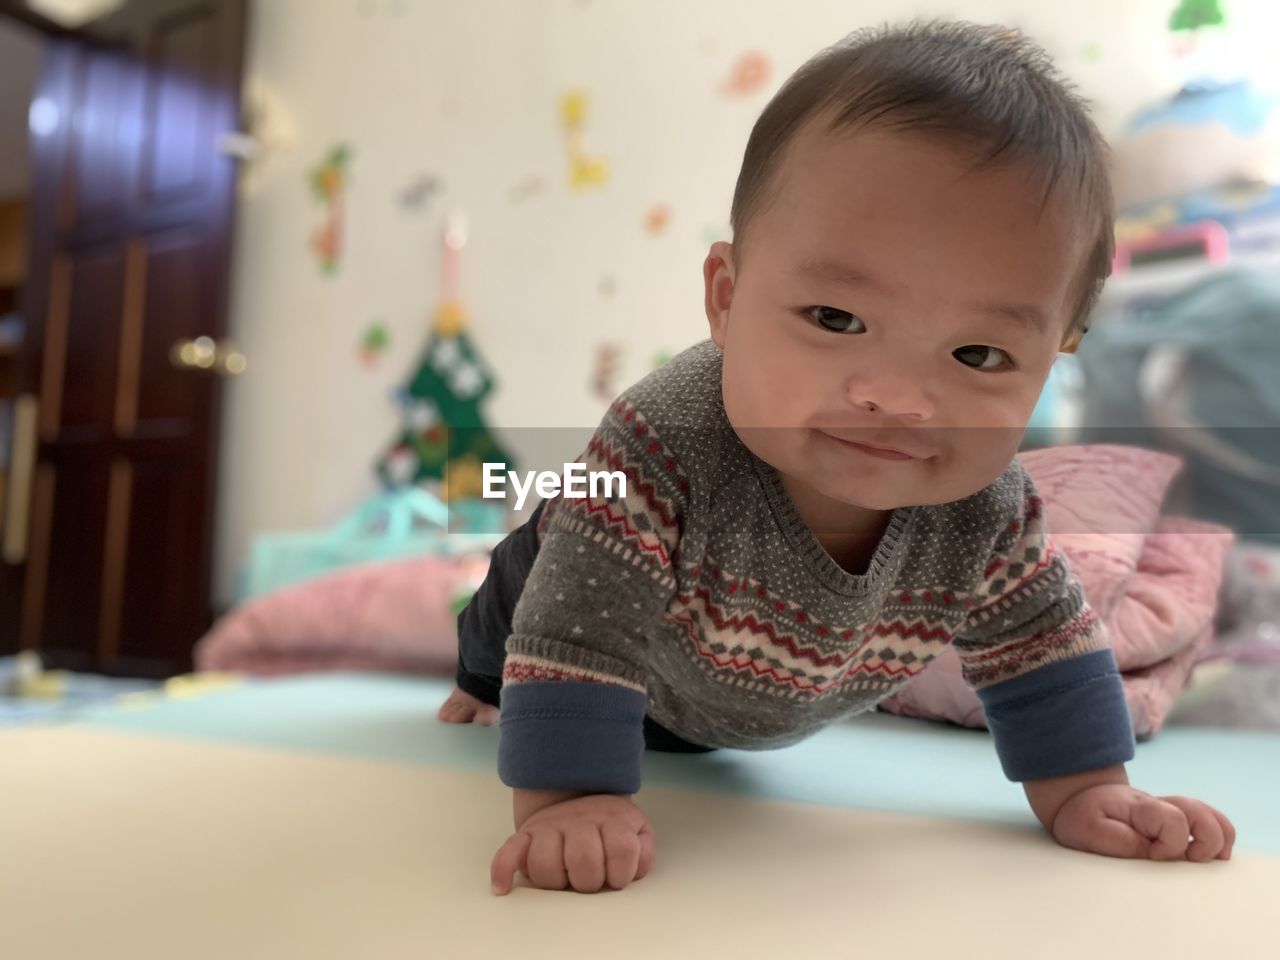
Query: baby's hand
point(582, 843)
point(1118, 821)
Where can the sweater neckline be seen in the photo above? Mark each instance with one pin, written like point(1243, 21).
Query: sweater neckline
point(814, 555)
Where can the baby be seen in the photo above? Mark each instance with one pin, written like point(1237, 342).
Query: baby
point(824, 494)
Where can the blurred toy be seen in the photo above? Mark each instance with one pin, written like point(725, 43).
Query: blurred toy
point(30, 679)
point(393, 525)
point(1197, 177)
point(1205, 240)
point(1209, 135)
point(31, 694)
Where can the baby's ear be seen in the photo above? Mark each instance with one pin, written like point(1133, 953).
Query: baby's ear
point(718, 275)
point(1072, 343)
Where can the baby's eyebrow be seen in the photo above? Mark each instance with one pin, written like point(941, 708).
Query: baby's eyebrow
point(842, 274)
point(1026, 314)
point(847, 275)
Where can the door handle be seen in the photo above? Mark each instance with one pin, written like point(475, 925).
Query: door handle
point(204, 353)
point(22, 468)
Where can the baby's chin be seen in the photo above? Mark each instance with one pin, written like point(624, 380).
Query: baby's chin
point(864, 499)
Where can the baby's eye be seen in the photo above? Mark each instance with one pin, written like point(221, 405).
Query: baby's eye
point(837, 321)
point(974, 351)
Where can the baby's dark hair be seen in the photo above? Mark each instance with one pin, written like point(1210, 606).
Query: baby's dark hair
point(989, 85)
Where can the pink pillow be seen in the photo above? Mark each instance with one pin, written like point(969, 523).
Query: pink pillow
point(1101, 501)
point(1173, 594)
point(392, 617)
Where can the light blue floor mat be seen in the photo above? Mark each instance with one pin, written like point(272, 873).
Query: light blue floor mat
point(873, 761)
point(78, 692)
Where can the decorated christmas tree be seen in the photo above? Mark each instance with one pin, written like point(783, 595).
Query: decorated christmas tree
point(445, 440)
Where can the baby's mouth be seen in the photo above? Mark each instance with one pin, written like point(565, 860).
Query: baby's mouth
point(866, 445)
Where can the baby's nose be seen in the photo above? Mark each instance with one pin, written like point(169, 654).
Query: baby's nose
point(891, 396)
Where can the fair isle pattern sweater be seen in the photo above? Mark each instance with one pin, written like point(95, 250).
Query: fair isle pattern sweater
point(703, 599)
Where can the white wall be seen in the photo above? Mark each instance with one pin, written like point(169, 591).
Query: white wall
point(469, 90)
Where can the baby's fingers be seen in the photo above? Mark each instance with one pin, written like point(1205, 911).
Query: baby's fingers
point(546, 860)
point(1228, 833)
point(509, 858)
point(621, 854)
point(1111, 838)
point(648, 849)
point(1213, 832)
point(1164, 824)
point(584, 859)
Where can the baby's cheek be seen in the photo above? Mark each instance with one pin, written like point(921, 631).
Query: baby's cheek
point(991, 459)
point(739, 407)
point(963, 471)
point(754, 403)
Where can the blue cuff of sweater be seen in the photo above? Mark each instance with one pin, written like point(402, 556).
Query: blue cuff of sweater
point(571, 735)
point(1063, 718)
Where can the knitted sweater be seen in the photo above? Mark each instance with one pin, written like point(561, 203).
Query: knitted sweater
point(703, 599)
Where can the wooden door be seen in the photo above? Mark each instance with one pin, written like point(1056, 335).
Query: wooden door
point(108, 541)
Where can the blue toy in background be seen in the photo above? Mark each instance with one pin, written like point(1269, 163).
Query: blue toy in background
point(392, 525)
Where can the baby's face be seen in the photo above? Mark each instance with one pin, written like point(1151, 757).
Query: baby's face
point(888, 295)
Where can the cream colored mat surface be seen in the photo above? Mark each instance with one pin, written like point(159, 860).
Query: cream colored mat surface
point(116, 845)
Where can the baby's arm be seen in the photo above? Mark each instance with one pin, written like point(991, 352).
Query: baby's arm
point(574, 681)
point(1038, 657)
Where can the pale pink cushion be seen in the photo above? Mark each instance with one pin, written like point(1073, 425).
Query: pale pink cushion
point(1155, 591)
point(1100, 502)
point(391, 617)
point(1172, 594)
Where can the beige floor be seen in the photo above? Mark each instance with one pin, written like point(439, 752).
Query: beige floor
point(135, 847)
